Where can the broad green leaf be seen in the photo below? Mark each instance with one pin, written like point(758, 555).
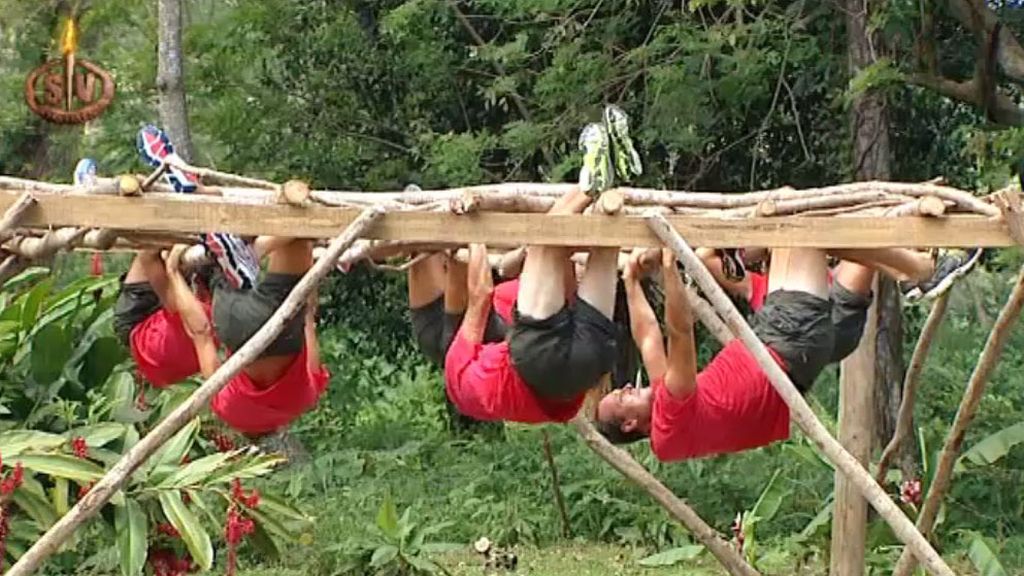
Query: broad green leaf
point(62, 466)
point(29, 276)
point(31, 303)
point(819, 523)
point(275, 528)
point(423, 564)
point(673, 556)
point(274, 506)
point(770, 500)
point(266, 543)
point(97, 435)
point(37, 507)
point(14, 442)
point(248, 466)
point(131, 525)
point(51, 348)
point(192, 533)
point(993, 447)
point(387, 518)
point(984, 558)
point(177, 446)
point(197, 471)
point(383, 555)
point(59, 495)
point(104, 354)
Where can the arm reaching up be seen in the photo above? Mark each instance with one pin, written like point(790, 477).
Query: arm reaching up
point(681, 374)
point(481, 288)
point(642, 322)
point(193, 315)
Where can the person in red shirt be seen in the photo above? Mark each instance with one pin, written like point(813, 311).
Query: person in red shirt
point(287, 378)
point(555, 352)
point(730, 406)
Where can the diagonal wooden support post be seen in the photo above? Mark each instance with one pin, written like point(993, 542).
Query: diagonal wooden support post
point(964, 415)
point(800, 411)
point(131, 460)
point(905, 419)
point(13, 214)
point(624, 463)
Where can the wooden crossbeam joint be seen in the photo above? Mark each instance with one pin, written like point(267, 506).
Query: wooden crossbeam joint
point(1009, 203)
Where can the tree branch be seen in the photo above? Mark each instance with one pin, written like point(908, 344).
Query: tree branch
point(1005, 110)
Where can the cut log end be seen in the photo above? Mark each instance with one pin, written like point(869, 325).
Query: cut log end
point(931, 206)
point(611, 202)
point(293, 192)
point(128, 185)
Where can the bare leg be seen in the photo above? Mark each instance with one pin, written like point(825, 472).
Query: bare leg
point(426, 280)
point(597, 287)
point(713, 263)
point(294, 257)
point(799, 269)
point(856, 278)
point(148, 266)
point(900, 263)
point(542, 283)
point(456, 295)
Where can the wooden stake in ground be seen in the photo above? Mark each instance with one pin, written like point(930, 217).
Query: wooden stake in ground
point(13, 214)
point(624, 463)
point(800, 411)
point(905, 419)
point(115, 478)
point(964, 415)
point(556, 486)
point(856, 420)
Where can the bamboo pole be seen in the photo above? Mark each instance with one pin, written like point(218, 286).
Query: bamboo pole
point(115, 478)
point(905, 419)
point(987, 362)
point(13, 214)
point(800, 411)
point(726, 554)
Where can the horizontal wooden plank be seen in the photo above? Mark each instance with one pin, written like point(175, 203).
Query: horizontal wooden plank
point(170, 213)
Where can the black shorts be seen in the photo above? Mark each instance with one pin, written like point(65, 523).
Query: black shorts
point(849, 315)
point(798, 327)
point(135, 302)
point(565, 355)
point(434, 329)
point(238, 314)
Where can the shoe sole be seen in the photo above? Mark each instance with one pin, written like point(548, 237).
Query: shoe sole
point(946, 283)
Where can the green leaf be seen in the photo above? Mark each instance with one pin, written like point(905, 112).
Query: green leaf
point(198, 470)
point(993, 447)
point(273, 506)
point(770, 500)
point(32, 301)
point(177, 446)
point(984, 558)
point(387, 518)
point(37, 507)
point(59, 495)
point(98, 363)
point(14, 442)
point(62, 466)
point(51, 348)
point(131, 525)
point(29, 276)
point(98, 435)
point(192, 533)
point(251, 465)
point(673, 556)
point(383, 555)
point(423, 565)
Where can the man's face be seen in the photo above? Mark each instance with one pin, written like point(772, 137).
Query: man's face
point(629, 406)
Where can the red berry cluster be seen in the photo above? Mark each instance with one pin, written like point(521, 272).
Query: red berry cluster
point(238, 526)
point(11, 481)
point(167, 529)
point(223, 442)
point(79, 448)
point(83, 490)
point(910, 491)
point(166, 563)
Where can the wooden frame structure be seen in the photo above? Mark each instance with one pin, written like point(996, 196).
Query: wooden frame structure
point(862, 215)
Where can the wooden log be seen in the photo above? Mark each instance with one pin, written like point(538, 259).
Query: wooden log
point(611, 202)
point(1009, 202)
point(41, 248)
point(987, 362)
point(722, 550)
point(294, 192)
point(784, 207)
point(14, 213)
point(856, 429)
point(11, 266)
point(223, 177)
point(905, 418)
point(512, 263)
point(151, 179)
point(116, 477)
point(800, 411)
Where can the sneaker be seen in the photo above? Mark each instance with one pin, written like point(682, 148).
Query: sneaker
point(950, 265)
point(85, 172)
point(236, 258)
point(596, 173)
point(733, 266)
point(155, 147)
point(624, 154)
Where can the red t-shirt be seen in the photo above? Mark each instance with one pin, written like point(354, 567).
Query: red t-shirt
point(254, 410)
point(734, 408)
point(163, 350)
point(504, 299)
point(482, 384)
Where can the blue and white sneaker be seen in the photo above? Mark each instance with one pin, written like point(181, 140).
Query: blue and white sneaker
point(236, 258)
point(85, 172)
point(154, 146)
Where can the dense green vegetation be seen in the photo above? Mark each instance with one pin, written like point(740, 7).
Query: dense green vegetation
point(354, 94)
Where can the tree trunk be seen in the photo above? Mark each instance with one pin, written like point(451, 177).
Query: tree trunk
point(889, 373)
point(869, 128)
point(170, 79)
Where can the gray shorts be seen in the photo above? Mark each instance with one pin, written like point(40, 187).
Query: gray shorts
point(565, 355)
point(434, 329)
point(135, 302)
point(809, 332)
point(238, 314)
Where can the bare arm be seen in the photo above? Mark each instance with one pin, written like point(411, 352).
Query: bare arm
point(643, 324)
point(713, 262)
point(481, 289)
point(681, 375)
point(193, 315)
point(312, 346)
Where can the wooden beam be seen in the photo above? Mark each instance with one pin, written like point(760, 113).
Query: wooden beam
point(193, 214)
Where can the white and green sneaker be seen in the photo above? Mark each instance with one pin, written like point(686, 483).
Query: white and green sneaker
point(596, 172)
point(950, 266)
point(624, 154)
